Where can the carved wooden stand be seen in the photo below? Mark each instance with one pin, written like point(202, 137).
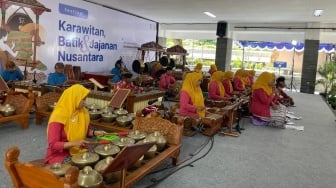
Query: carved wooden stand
point(212, 123)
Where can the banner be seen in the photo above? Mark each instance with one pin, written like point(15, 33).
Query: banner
point(73, 32)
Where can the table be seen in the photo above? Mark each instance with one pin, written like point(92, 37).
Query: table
point(102, 78)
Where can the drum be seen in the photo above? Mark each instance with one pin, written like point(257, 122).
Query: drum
point(153, 68)
point(139, 67)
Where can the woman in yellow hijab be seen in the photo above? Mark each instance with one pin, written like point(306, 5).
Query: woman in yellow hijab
point(191, 96)
point(213, 68)
point(238, 80)
point(264, 111)
point(216, 89)
point(251, 74)
point(68, 125)
point(198, 68)
point(227, 83)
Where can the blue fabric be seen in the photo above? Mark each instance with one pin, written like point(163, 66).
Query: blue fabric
point(56, 79)
point(284, 46)
point(117, 75)
point(9, 76)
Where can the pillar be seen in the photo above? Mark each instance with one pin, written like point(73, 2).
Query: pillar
point(223, 53)
point(310, 60)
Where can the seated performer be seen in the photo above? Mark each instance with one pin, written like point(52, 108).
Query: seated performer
point(68, 126)
point(116, 71)
point(126, 83)
point(167, 82)
point(263, 108)
point(12, 73)
point(283, 97)
point(251, 74)
point(213, 68)
point(58, 77)
point(238, 80)
point(227, 83)
point(198, 68)
point(216, 89)
point(191, 96)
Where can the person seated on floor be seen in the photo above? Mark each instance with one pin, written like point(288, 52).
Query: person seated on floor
point(68, 126)
point(263, 109)
point(216, 89)
point(283, 97)
point(58, 77)
point(116, 71)
point(213, 68)
point(126, 83)
point(167, 82)
point(238, 81)
point(198, 68)
point(11, 73)
point(251, 74)
point(191, 96)
point(227, 83)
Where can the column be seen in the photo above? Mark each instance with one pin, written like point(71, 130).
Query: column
point(310, 60)
point(223, 53)
point(223, 46)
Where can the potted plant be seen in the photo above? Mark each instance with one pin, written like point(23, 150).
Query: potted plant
point(327, 72)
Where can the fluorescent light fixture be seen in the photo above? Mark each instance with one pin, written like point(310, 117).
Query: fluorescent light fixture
point(318, 12)
point(210, 14)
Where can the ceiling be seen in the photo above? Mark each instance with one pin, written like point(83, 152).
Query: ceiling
point(289, 14)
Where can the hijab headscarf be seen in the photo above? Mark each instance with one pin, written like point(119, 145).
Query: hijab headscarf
point(198, 68)
point(218, 78)
point(194, 91)
point(263, 81)
point(213, 68)
point(76, 121)
point(240, 74)
point(228, 75)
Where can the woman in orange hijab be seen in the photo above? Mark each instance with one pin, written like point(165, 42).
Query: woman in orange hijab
point(216, 89)
point(191, 96)
point(68, 125)
point(264, 111)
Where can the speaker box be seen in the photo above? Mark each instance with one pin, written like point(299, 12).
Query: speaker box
point(221, 29)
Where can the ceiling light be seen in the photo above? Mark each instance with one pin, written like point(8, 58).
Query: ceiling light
point(210, 14)
point(318, 12)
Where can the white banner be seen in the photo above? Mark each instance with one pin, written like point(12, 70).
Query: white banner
point(77, 33)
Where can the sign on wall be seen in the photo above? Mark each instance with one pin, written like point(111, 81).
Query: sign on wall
point(73, 32)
